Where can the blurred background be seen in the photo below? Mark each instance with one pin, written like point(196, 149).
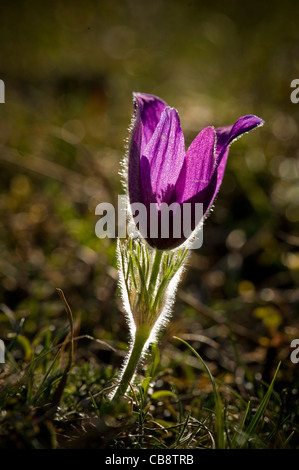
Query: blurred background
point(69, 70)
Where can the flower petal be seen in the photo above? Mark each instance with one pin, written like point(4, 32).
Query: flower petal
point(147, 113)
point(134, 158)
point(198, 167)
point(150, 108)
point(162, 159)
point(227, 135)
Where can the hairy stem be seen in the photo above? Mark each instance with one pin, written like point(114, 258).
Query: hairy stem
point(135, 355)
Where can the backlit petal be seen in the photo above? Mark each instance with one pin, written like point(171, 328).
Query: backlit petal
point(162, 159)
point(198, 167)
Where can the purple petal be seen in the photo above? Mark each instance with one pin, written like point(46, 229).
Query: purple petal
point(162, 159)
point(134, 158)
point(151, 108)
point(209, 177)
point(199, 166)
point(225, 136)
point(147, 113)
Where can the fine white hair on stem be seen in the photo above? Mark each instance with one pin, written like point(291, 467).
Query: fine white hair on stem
point(160, 323)
point(122, 267)
point(147, 296)
point(123, 368)
point(166, 312)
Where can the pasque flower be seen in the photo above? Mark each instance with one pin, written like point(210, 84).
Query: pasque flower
point(160, 170)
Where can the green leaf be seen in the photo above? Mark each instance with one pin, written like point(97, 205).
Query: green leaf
point(162, 394)
point(145, 383)
point(155, 359)
point(25, 343)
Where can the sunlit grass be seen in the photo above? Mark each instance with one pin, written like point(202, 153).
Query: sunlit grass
point(49, 402)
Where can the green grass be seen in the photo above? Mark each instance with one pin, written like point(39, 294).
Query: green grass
point(53, 398)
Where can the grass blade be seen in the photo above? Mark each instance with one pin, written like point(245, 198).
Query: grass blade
point(219, 422)
point(260, 411)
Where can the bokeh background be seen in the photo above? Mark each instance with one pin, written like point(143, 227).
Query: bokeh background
point(69, 69)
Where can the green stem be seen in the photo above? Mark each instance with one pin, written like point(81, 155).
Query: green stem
point(143, 329)
point(140, 339)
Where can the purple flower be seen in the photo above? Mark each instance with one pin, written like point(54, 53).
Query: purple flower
point(161, 171)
